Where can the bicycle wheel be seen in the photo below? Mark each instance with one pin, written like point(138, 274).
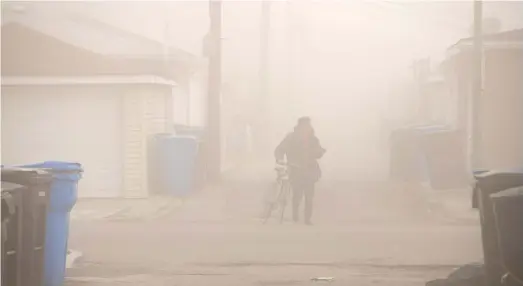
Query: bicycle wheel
point(268, 211)
point(284, 193)
point(269, 208)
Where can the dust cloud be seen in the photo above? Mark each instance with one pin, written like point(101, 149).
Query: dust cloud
point(359, 69)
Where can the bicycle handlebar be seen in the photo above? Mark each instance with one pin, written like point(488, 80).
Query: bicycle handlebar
point(287, 164)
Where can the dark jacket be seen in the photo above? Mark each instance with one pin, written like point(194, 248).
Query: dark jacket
point(302, 153)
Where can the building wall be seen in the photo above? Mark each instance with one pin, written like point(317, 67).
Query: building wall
point(189, 101)
point(73, 123)
point(441, 104)
point(144, 114)
point(145, 108)
point(139, 111)
point(501, 118)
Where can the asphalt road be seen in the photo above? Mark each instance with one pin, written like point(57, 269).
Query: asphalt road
point(364, 234)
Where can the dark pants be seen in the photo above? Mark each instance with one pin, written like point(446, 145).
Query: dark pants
point(302, 188)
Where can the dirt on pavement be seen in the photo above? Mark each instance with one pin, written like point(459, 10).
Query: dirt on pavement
point(364, 234)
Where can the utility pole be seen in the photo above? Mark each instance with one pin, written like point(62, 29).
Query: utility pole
point(166, 65)
point(291, 96)
point(477, 89)
point(264, 74)
point(214, 93)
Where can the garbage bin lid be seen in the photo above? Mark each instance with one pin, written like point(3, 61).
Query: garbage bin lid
point(492, 182)
point(57, 166)
point(512, 192)
point(8, 201)
point(7, 187)
point(481, 174)
point(475, 173)
point(25, 175)
point(184, 139)
point(10, 170)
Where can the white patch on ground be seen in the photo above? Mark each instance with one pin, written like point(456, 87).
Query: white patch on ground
point(125, 209)
point(72, 257)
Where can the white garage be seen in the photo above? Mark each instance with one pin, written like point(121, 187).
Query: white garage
point(103, 125)
point(79, 90)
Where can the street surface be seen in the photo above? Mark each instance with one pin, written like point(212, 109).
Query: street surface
point(364, 234)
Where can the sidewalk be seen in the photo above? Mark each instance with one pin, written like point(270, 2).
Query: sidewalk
point(125, 209)
point(237, 198)
point(155, 207)
point(454, 205)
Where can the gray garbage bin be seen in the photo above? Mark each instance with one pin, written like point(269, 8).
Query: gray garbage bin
point(508, 210)
point(12, 203)
point(33, 212)
point(487, 184)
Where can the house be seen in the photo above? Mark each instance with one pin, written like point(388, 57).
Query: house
point(439, 104)
point(74, 89)
point(499, 112)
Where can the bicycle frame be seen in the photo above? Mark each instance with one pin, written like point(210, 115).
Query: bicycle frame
point(284, 189)
point(282, 173)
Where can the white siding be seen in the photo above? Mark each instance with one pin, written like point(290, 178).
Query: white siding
point(134, 147)
point(145, 114)
point(76, 123)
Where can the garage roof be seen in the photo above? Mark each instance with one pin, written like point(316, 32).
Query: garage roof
point(504, 40)
point(92, 35)
point(513, 36)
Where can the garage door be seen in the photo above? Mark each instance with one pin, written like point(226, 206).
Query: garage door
point(76, 124)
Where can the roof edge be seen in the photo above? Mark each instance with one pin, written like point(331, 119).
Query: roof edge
point(85, 80)
point(494, 39)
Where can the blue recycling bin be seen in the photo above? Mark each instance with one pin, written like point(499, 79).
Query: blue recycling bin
point(64, 192)
point(177, 163)
point(193, 131)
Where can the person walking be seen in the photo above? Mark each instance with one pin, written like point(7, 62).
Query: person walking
point(302, 149)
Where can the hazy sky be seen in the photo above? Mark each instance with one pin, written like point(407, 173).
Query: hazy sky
point(345, 56)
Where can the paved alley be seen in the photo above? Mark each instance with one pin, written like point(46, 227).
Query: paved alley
point(364, 234)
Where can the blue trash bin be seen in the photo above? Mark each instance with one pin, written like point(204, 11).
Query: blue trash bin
point(177, 164)
point(63, 197)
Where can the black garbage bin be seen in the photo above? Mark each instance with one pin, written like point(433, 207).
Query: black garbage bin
point(35, 201)
point(12, 203)
point(508, 210)
point(487, 184)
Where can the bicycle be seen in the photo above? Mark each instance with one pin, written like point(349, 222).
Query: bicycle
point(284, 186)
